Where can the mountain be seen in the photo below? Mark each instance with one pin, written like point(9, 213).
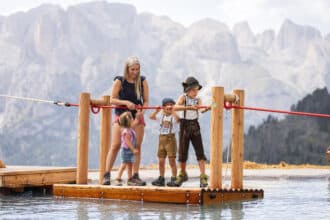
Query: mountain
point(55, 54)
point(294, 139)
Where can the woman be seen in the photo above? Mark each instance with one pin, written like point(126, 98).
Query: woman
point(129, 90)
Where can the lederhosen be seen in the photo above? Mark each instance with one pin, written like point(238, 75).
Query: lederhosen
point(167, 142)
point(127, 92)
point(190, 131)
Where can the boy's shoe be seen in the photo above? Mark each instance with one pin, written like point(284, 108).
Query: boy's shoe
point(137, 180)
point(182, 177)
point(159, 182)
point(106, 179)
point(118, 182)
point(172, 182)
point(203, 181)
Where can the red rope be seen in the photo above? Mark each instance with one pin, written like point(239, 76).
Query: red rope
point(229, 106)
point(95, 109)
point(139, 107)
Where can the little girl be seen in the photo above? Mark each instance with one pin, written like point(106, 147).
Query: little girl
point(128, 149)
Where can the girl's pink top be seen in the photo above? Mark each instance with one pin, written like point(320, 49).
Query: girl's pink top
point(131, 132)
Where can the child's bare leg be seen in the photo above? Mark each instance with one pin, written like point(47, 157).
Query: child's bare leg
point(121, 170)
point(161, 163)
point(201, 164)
point(129, 170)
point(172, 163)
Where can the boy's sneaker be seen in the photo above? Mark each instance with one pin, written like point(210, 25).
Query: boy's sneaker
point(203, 180)
point(159, 182)
point(106, 179)
point(137, 180)
point(172, 182)
point(182, 177)
point(118, 182)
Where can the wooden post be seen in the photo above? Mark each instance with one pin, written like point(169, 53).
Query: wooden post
point(216, 138)
point(2, 164)
point(105, 136)
point(83, 138)
point(237, 146)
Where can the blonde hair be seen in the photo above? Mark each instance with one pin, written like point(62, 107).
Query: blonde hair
point(138, 87)
point(125, 119)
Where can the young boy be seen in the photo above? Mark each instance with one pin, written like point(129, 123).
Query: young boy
point(190, 130)
point(168, 121)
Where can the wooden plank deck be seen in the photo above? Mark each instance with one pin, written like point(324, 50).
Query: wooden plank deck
point(177, 195)
point(35, 176)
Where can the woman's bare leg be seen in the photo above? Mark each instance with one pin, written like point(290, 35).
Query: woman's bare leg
point(139, 130)
point(114, 148)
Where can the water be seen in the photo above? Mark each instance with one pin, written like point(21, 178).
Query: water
point(283, 199)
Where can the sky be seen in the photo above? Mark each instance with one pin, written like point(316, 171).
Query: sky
point(260, 14)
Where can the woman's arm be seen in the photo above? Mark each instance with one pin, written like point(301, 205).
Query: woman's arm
point(114, 100)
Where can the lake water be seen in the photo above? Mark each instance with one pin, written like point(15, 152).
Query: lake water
point(283, 199)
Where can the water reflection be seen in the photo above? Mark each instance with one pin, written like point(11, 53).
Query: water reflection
point(113, 209)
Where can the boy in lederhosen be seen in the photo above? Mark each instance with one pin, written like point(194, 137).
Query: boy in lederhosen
point(190, 130)
point(168, 121)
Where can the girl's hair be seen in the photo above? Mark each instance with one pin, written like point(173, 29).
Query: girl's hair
point(129, 62)
point(125, 119)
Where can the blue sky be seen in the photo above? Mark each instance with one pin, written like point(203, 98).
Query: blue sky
point(261, 14)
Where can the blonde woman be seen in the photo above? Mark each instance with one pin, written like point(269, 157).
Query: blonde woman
point(128, 90)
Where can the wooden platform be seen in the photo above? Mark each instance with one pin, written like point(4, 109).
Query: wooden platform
point(178, 195)
point(32, 176)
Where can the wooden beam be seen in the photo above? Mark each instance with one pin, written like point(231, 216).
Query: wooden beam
point(230, 98)
point(99, 102)
point(210, 197)
point(83, 138)
point(216, 138)
point(20, 177)
point(178, 195)
point(237, 146)
point(136, 193)
point(105, 136)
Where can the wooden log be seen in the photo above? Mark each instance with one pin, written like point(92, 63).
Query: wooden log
point(2, 164)
point(105, 136)
point(83, 138)
point(230, 97)
point(216, 138)
point(144, 193)
point(237, 146)
point(99, 102)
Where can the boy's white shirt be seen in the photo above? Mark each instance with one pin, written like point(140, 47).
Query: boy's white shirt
point(166, 130)
point(190, 114)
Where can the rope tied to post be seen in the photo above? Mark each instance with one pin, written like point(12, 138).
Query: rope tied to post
point(228, 105)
